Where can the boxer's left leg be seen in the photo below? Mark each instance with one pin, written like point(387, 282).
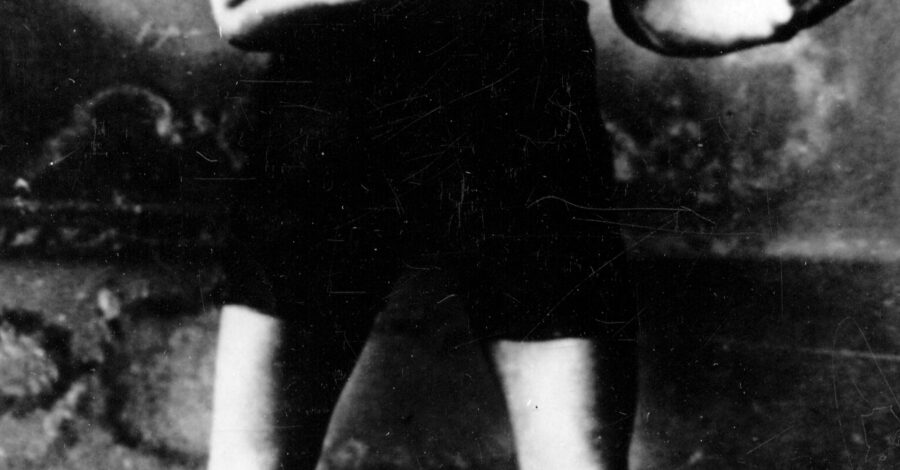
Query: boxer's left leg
point(571, 406)
point(568, 367)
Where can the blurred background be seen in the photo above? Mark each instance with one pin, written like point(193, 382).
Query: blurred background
point(762, 234)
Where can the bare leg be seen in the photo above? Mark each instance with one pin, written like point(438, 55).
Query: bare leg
point(569, 406)
point(243, 435)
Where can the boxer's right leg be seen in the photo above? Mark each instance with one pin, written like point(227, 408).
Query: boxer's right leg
point(290, 330)
point(275, 386)
point(243, 434)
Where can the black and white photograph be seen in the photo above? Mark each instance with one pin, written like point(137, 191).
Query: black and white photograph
point(449, 234)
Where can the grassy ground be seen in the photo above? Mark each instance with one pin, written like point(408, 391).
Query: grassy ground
point(745, 364)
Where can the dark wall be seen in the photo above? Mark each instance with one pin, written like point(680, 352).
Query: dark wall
point(59, 58)
point(791, 147)
point(794, 143)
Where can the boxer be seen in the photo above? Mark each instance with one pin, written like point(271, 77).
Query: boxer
point(411, 152)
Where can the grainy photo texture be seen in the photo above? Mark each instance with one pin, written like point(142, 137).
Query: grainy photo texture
point(420, 234)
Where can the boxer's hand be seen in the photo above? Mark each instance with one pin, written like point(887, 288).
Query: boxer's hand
point(718, 21)
point(705, 27)
point(246, 22)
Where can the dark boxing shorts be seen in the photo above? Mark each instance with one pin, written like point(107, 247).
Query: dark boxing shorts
point(485, 159)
